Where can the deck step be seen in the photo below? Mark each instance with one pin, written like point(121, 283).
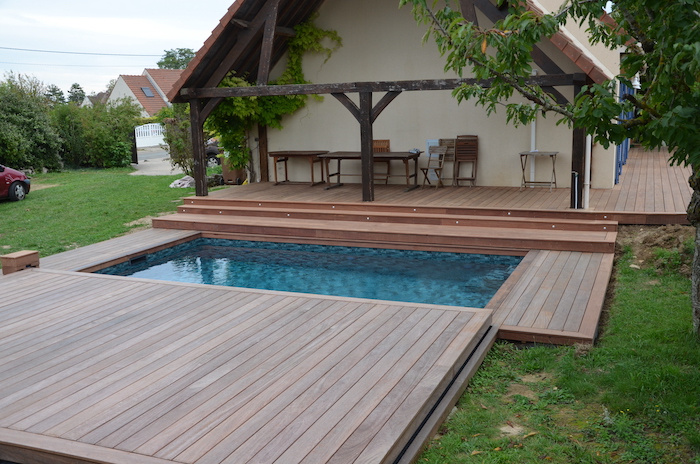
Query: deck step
point(373, 207)
point(398, 217)
point(421, 236)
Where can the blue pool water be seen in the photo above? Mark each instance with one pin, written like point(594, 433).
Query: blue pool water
point(453, 279)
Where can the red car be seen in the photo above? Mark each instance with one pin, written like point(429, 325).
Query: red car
point(13, 184)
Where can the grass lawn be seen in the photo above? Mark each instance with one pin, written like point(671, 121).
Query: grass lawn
point(70, 209)
point(634, 397)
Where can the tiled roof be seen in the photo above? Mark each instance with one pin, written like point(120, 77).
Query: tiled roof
point(165, 79)
point(583, 59)
point(150, 104)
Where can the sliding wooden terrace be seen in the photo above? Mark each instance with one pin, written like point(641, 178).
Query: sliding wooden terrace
point(104, 369)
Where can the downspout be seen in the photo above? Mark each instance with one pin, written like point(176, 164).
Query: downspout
point(587, 172)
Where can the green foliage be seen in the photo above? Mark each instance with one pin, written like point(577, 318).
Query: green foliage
point(76, 94)
point(99, 136)
point(663, 47)
point(178, 135)
point(27, 139)
point(55, 95)
point(177, 58)
point(234, 117)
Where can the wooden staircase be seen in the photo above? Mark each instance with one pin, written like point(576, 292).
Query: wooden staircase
point(392, 226)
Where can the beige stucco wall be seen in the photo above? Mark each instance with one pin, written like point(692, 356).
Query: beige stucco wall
point(383, 43)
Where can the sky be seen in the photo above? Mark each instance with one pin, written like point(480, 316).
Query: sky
point(94, 32)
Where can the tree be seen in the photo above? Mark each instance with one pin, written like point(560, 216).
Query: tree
point(662, 42)
point(76, 94)
point(27, 138)
point(177, 58)
point(178, 135)
point(55, 95)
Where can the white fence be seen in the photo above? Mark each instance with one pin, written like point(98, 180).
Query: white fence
point(149, 135)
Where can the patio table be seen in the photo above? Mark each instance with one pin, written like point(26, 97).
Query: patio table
point(404, 156)
point(284, 156)
point(531, 183)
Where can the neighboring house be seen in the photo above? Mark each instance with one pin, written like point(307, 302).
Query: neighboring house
point(92, 100)
point(383, 43)
point(149, 91)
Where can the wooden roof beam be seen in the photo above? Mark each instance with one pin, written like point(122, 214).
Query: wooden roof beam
point(244, 41)
point(357, 87)
point(279, 30)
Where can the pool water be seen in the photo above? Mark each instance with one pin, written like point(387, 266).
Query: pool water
point(454, 279)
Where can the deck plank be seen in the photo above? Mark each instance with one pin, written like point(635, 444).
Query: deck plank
point(165, 378)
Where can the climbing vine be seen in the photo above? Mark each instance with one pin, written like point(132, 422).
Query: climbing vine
point(234, 117)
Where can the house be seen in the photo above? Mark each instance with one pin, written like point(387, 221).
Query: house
point(148, 90)
point(92, 100)
point(383, 52)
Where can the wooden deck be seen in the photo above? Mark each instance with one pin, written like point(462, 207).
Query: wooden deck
point(650, 192)
point(118, 370)
point(103, 369)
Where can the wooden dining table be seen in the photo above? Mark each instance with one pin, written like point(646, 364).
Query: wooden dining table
point(285, 155)
point(404, 156)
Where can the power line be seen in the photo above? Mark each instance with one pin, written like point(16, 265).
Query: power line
point(72, 53)
point(76, 65)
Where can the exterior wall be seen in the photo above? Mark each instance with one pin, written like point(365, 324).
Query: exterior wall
point(121, 90)
point(384, 43)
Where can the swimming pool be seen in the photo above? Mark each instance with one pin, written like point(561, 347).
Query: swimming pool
point(454, 279)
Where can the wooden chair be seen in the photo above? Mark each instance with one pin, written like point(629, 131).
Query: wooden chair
point(466, 152)
point(449, 157)
point(382, 146)
point(436, 158)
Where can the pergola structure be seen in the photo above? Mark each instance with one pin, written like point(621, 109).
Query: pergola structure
point(251, 38)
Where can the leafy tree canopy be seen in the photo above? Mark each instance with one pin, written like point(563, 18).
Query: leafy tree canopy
point(661, 40)
point(76, 94)
point(177, 58)
point(662, 44)
point(55, 94)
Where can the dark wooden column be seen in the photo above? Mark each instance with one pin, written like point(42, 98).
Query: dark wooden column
point(200, 162)
point(578, 153)
point(366, 136)
point(263, 151)
point(578, 166)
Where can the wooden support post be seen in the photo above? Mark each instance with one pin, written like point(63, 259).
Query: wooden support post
point(578, 165)
point(578, 152)
point(367, 155)
point(263, 151)
point(200, 162)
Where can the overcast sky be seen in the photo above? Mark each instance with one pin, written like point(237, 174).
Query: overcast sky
point(131, 27)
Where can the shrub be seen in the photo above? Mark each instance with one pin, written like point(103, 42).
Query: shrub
point(27, 138)
point(98, 136)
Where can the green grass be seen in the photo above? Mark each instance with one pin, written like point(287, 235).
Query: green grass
point(632, 398)
point(83, 207)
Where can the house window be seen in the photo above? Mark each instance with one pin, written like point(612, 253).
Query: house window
point(147, 91)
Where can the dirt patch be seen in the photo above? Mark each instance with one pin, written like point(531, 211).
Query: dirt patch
point(143, 223)
point(36, 187)
point(643, 240)
point(511, 429)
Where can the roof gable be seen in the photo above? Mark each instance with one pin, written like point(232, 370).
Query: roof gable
point(140, 86)
point(236, 43)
